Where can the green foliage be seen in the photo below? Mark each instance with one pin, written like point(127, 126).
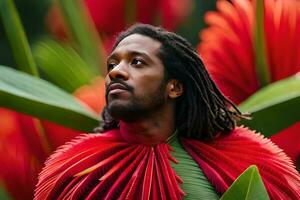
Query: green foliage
point(62, 65)
point(84, 33)
point(16, 35)
point(195, 22)
point(262, 71)
point(4, 194)
point(248, 186)
point(195, 183)
point(274, 107)
point(34, 96)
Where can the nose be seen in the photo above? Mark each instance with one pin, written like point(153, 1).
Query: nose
point(120, 72)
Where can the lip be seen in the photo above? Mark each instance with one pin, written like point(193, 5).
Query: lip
point(116, 88)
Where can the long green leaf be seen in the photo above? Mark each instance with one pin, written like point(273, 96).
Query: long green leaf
point(62, 65)
point(248, 186)
point(84, 33)
point(17, 37)
point(261, 66)
point(274, 107)
point(34, 96)
point(195, 183)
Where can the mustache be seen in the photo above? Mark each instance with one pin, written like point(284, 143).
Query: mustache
point(119, 81)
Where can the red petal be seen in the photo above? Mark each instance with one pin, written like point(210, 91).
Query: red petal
point(289, 140)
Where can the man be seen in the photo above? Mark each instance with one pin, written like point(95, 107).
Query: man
point(157, 90)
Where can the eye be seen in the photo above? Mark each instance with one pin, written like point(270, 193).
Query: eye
point(111, 65)
point(137, 61)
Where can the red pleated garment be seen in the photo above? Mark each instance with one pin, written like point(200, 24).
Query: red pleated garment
point(225, 158)
point(103, 166)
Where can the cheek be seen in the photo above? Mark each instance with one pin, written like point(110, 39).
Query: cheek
point(149, 85)
point(107, 80)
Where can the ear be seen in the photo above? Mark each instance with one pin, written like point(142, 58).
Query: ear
point(174, 88)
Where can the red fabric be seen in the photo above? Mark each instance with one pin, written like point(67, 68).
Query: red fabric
point(104, 166)
point(225, 158)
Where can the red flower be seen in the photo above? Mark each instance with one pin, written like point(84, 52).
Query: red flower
point(228, 51)
point(109, 16)
point(22, 153)
point(227, 44)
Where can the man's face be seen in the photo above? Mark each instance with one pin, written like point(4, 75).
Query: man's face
point(135, 83)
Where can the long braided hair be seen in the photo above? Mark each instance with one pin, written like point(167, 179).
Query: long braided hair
point(202, 111)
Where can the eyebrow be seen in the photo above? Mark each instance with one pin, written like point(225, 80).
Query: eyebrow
point(131, 53)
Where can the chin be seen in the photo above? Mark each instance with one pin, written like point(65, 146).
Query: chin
point(117, 104)
point(124, 111)
point(117, 108)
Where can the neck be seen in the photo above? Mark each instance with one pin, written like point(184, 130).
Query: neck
point(150, 130)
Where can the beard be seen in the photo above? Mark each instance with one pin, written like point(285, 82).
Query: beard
point(137, 107)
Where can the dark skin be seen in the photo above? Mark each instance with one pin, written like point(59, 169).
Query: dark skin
point(136, 63)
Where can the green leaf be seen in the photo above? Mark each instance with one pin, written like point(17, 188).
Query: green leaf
point(248, 186)
point(34, 96)
point(17, 37)
point(3, 193)
point(274, 107)
point(261, 66)
point(195, 183)
point(84, 33)
point(62, 65)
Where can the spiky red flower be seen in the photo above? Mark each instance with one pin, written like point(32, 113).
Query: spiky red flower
point(228, 51)
point(227, 44)
point(225, 158)
point(104, 166)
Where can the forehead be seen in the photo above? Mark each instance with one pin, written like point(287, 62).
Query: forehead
point(139, 43)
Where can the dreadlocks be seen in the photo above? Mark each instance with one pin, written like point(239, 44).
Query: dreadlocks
point(202, 111)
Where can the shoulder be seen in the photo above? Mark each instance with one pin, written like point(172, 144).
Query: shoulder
point(225, 158)
point(84, 142)
point(74, 157)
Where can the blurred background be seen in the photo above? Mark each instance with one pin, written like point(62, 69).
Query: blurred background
point(250, 48)
point(42, 18)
